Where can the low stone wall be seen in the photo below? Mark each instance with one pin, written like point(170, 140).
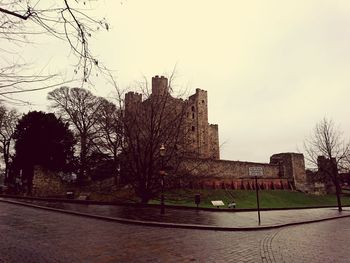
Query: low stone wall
point(47, 183)
point(103, 186)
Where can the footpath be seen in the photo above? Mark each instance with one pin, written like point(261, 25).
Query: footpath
point(188, 218)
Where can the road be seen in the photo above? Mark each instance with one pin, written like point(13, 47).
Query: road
point(33, 235)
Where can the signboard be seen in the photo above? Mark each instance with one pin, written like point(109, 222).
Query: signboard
point(218, 203)
point(256, 171)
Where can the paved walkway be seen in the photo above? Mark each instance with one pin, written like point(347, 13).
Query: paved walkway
point(200, 218)
point(35, 235)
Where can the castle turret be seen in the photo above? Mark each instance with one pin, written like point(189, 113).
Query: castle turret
point(159, 86)
point(214, 150)
point(132, 100)
point(292, 167)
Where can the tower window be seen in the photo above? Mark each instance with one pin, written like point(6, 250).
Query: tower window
point(193, 128)
point(192, 115)
point(203, 101)
point(192, 108)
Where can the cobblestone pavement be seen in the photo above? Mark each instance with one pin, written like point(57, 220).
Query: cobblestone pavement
point(33, 235)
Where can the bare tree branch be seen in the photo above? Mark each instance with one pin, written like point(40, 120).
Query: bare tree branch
point(66, 20)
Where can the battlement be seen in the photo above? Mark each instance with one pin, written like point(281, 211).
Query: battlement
point(133, 97)
point(214, 126)
point(201, 91)
point(157, 77)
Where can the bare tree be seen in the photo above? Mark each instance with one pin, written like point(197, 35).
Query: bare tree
point(157, 120)
point(80, 108)
point(67, 20)
point(328, 141)
point(8, 122)
point(110, 133)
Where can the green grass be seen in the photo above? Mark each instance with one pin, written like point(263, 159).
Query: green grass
point(247, 199)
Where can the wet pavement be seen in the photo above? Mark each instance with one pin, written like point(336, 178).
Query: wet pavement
point(38, 236)
point(198, 217)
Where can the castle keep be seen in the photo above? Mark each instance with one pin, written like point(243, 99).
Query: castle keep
point(202, 138)
point(203, 165)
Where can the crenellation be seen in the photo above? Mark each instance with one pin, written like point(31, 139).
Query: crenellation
point(132, 99)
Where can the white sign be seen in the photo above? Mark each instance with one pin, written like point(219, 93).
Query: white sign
point(256, 171)
point(218, 203)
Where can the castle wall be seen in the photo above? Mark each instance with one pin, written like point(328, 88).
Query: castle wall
point(209, 168)
point(209, 173)
point(285, 171)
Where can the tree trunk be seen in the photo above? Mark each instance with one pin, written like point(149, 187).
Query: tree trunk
point(83, 152)
point(337, 185)
point(6, 161)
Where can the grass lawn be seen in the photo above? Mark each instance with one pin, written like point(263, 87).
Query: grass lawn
point(247, 199)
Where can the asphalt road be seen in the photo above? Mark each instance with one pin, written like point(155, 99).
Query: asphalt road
point(33, 235)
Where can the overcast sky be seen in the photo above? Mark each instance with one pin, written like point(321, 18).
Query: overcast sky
point(272, 69)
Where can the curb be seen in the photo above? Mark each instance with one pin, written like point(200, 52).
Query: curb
point(170, 225)
point(93, 202)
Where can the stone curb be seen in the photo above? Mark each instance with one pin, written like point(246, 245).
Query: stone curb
point(76, 201)
point(170, 225)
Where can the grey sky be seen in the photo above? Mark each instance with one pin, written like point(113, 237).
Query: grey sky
point(272, 69)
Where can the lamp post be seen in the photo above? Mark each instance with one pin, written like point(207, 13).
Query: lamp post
point(255, 172)
point(257, 198)
point(117, 178)
point(162, 174)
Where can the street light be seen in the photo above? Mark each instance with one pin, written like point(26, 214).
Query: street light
point(117, 177)
point(257, 198)
point(162, 174)
point(255, 172)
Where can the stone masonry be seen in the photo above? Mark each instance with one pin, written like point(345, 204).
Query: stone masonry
point(285, 171)
point(292, 167)
point(47, 183)
point(202, 137)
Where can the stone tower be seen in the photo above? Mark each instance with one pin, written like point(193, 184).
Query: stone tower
point(159, 86)
point(202, 138)
point(132, 101)
point(291, 166)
